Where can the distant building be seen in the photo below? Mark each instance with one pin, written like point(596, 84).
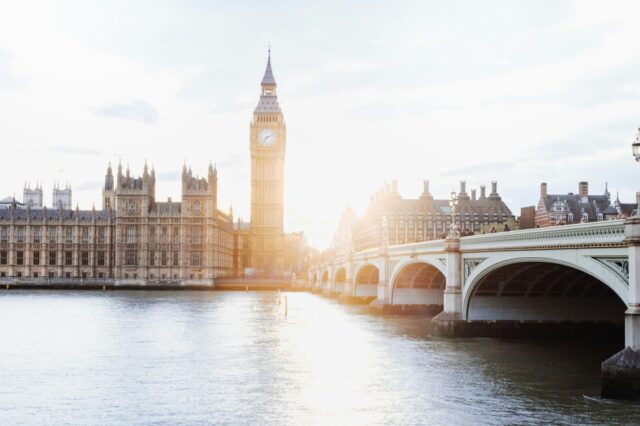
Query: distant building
point(342, 239)
point(425, 218)
point(8, 202)
point(61, 197)
point(32, 197)
point(626, 210)
point(561, 209)
point(527, 219)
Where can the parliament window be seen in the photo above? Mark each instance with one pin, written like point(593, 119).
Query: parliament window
point(175, 258)
point(53, 235)
point(101, 234)
point(195, 258)
point(131, 234)
point(195, 235)
point(36, 257)
point(3, 257)
point(152, 258)
point(4, 234)
point(85, 235)
point(68, 235)
point(20, 257)
point(101, 259)
point(163, 258)
point(20, 234)
point(68, 258)
point(37, 231)
point(85, 258)
point(130, 257)
point(52, 258)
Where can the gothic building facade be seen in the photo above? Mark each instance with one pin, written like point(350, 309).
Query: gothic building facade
point(133, 239)
point(423, 218)
point(136, 239)
point(581, 207)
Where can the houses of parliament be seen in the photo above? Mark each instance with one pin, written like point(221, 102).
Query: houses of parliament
point(135, 238)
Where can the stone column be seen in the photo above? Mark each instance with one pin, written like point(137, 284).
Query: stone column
point(453, 289)
point(447, 323)
point(621, 372)
point(329, 289)
point(348, 278)
point(382, 302)
point(632, 315)
point(348, 293)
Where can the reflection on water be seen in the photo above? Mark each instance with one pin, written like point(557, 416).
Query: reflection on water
point(233, 357)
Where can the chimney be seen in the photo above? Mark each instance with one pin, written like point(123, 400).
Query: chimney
point(473, 194)
point(483, 192)
point(583, 191)
point(638, 198)
point(394, 185)
point(463, 187)
point(425, 187)
point(543, 190)
point(494, 188)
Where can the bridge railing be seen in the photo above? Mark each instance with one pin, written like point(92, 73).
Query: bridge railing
point(609, 233)
point(594, 234)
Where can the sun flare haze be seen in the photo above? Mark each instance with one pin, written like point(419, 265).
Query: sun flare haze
point(445, 91)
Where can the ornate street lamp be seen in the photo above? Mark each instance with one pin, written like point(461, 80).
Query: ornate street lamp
point(453, 230)
point(635, 147)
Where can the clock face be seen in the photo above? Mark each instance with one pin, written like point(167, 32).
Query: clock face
point(267, 137)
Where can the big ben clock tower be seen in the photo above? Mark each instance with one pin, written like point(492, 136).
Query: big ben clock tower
point(268, 143)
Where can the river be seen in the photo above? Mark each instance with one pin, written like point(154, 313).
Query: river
point(190, 358)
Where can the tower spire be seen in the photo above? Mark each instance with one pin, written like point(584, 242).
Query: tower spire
point(268, 78)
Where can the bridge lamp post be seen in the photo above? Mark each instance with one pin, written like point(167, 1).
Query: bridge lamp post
point(453, 230)
point(635, 149)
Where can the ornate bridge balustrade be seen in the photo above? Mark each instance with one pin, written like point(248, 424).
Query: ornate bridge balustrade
point(577, 280)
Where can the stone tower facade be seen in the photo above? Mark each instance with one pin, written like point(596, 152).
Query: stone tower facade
point(32, 197)
point(109, 191)
point(267, 144)
point(61, 197)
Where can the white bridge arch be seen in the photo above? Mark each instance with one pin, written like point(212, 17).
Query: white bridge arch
point(605, 251)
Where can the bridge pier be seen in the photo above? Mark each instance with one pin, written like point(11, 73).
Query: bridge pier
point(448, 322)
point(381, 304)
point(621, 372)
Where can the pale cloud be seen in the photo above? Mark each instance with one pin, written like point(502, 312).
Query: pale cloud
point(136, 110)
point(8, 79)
point(75, 150)
point(172, 176)
point(89, 186)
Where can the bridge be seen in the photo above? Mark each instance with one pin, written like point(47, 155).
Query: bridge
point(578, 280)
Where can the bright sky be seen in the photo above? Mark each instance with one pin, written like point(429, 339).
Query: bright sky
point(516, 91)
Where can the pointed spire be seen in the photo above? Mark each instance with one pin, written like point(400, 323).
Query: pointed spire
point(268, 78)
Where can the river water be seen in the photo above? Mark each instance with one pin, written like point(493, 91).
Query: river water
point(122, 358)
